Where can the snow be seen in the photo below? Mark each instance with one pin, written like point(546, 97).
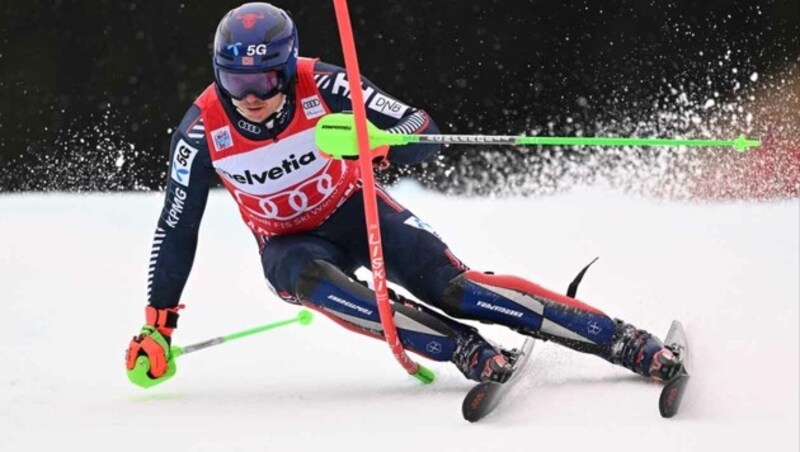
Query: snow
point(74, 271)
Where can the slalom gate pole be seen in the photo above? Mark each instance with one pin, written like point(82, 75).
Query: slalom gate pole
point(370, 202)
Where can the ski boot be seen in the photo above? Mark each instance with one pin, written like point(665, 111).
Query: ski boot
point(643, 353)
point(665, 364)
point(479, 361)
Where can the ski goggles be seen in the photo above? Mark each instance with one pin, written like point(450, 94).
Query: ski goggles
point(260, 84)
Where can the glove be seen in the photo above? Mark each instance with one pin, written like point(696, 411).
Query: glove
point(380, 157)
point(153, 342)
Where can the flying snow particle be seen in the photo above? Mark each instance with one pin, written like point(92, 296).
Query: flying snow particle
point(754, 76)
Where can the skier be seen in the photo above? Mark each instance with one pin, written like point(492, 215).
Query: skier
point(254, 128)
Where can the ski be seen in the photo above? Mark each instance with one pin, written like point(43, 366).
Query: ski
point(484, 397)
point(672, 394)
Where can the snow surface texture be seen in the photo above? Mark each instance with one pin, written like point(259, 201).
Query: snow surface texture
point(73, 275)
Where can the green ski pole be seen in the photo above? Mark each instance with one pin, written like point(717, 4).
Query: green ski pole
point(335, 135)
point(139, 374)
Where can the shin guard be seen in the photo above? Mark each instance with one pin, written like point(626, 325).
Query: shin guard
point(529, 309)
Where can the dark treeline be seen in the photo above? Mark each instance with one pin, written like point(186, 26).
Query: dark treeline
point(90, 89)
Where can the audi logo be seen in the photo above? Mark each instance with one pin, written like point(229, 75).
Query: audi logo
point(311, 103)
point(252, 128)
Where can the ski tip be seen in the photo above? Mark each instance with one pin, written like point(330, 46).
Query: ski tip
point(481, 400)
point(485, 396)
point(472, 407)
point(672, 395)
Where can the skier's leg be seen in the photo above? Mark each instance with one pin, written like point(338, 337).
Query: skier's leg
point(353, 305)
point(284, 257)
point(315, 272)
point(539, 312)
point(420, 262)
point(417, 259)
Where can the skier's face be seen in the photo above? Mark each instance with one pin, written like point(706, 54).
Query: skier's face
point(258, 110)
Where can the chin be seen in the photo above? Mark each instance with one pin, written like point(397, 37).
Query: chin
point(259, 118)
point(253, 116)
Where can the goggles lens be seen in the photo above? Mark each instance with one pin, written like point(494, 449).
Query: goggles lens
point(261, 84)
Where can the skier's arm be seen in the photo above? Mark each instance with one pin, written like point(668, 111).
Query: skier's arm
point(174, 245)
point(383, 110)
point(188, 183)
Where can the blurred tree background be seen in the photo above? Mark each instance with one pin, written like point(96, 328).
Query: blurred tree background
point(91, 89)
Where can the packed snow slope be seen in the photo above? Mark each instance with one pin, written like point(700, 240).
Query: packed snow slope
point(74, 268)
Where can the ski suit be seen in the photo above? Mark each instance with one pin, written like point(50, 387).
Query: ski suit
point(305, 211)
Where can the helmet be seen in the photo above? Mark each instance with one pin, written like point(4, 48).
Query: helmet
point(255, 51)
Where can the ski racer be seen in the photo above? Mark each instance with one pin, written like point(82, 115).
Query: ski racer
point(254, 129)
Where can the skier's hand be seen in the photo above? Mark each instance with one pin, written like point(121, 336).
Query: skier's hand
point(152, 345)
point(153, 342)
point(380, 157)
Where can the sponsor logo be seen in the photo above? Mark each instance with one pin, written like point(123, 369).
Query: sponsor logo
point(234, 48)
point(594, 329)
point(419, 224)
point(340, 83)
point(286, 167)
point(500, 309)
point(672, 396)
point(301, 205)
point(247, 60)
point(182, 162)
point(378, 269)
point(434, 348)
point(388, 106)
point(312, 107)
point(176, 208)
point(222, 138)
point(253, 49)
point(476, 402)
point(249, 19)
point(350, 305)
point(252, 128)
point(309, 186)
